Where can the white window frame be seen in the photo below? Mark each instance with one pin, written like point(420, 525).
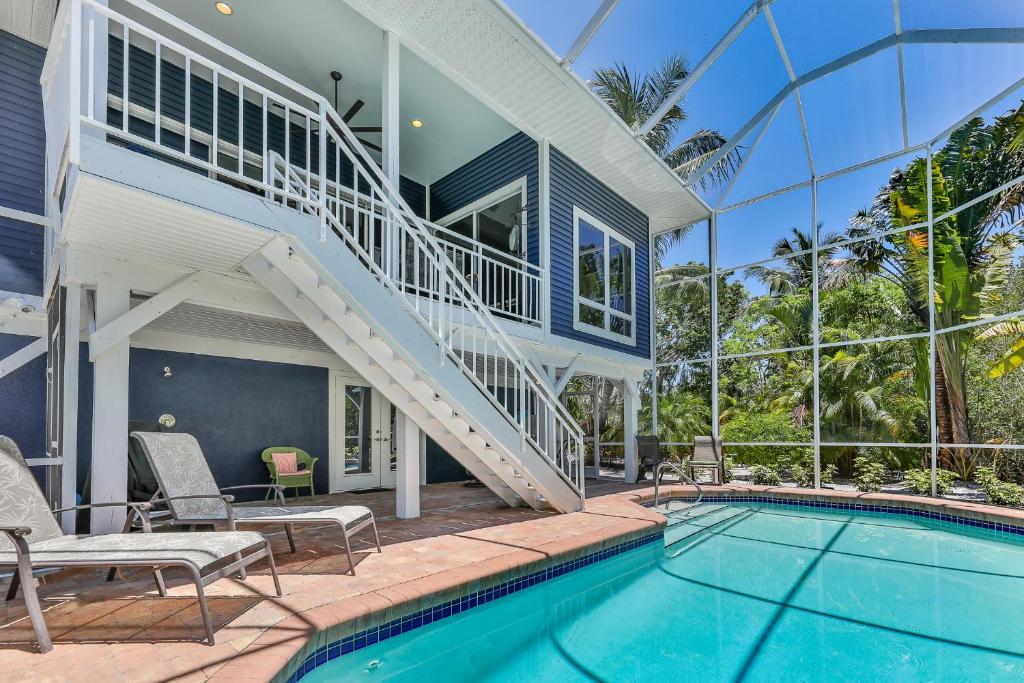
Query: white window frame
point(517, 186)
point(577, 324)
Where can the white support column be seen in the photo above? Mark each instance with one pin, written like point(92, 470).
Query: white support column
point(407, 503)
point(110, 414)
point(631, 411)
point(389, 107)
point(69, 410)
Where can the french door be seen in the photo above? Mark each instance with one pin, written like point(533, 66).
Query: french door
point(364, 438)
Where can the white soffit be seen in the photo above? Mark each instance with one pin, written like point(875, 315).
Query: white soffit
point(28, 19)
point(484, 47)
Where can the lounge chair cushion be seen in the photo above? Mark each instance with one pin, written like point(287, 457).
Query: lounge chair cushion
point(200, 548)
point(21, 501)
point(300, 514)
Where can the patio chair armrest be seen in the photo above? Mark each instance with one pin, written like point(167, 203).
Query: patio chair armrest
point(141, 506)
point(276, 488)
point(17, 535)
point(198, 496)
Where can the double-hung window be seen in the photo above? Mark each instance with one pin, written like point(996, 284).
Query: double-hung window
point(604, 279)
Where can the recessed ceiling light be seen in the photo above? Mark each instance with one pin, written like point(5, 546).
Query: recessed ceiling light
point(224, 8)
point(416, 123)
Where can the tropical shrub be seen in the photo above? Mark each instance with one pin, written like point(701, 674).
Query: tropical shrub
point(761, 475)
point(920, 480)
point(868, 474)
point(828, 473)
point(997, 491)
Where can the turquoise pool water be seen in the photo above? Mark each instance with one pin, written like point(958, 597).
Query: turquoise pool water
point(742, 593)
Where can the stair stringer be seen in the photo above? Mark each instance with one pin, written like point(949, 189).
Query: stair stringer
point(480, 439)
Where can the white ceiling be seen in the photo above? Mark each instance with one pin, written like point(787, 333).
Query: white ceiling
point(306, 41)
point(28, 19)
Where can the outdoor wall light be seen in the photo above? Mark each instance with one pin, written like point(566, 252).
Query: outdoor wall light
point(167, 372)
point(224, 8)
point(416, 123)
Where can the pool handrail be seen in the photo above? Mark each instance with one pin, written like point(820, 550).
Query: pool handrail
point(682, 475)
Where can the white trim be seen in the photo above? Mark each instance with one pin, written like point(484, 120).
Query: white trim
point(25, 354)
point(577, 215)
point(544, 225)
point(25, 217)
point(517, 186)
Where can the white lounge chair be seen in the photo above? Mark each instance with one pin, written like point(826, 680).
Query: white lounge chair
point(187, 483)
point(30, 538)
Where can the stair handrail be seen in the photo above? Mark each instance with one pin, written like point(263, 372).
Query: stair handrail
point(389, 196)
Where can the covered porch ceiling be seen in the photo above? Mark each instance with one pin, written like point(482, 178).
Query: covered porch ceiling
point(306, 41)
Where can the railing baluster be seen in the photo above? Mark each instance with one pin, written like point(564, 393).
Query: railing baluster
point(125, 93)
point(188, 106)
point(264, 149)
point(156, 96)
point(241, 129)
point(91, 107)
point(216, 123)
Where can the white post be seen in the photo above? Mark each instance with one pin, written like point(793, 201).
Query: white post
point(407, 502)
point(389, 133)
point(630, 410)
point(389, 106)
point(69, 410)
point(110, 415)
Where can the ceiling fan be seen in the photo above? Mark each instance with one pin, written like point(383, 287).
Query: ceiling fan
point(350, 114)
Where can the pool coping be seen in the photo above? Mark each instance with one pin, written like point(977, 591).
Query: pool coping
point(974, 515)
point(280, 650)
point(348, 625)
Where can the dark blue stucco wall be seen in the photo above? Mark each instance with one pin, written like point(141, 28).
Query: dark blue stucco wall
point(502, 164)
point(571, 185)
point(22, 163)
point(23, 399)
point(234, 407)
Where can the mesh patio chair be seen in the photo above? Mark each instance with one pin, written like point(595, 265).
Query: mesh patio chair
point(649, 455)
point(707, 455)
point(31, 538)
point(194, 499)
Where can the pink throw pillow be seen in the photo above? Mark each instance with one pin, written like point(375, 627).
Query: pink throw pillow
point(285, 463)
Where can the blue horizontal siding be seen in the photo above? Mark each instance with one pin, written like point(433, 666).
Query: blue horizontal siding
point(22, 163)
point(572, 186)
point(502, 164)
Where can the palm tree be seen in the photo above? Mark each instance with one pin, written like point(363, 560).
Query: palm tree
point(634, 97)
point(797, 272)
point(973, 247)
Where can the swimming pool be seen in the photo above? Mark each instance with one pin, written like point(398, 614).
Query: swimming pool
point(742, 592)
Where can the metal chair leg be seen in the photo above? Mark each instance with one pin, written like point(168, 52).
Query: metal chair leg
point(35, 612)
point(273, 568)
point(376, 536)
point(12, 590)
point(291, 539)
point(161, 587)
point(201, 595)
point(348, 551)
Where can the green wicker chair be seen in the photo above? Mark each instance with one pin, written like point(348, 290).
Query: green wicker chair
point(303, 478)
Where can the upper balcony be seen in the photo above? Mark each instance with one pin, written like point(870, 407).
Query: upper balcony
point(139, 77)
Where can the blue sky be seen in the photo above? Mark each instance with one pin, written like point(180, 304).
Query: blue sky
point(852, 115)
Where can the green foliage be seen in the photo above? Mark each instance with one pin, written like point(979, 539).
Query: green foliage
point(828, 473)
point(729, 467)
point(760, 475)
point(919, 480)
point(868, 474)
point(997, 491)
point(803, 477)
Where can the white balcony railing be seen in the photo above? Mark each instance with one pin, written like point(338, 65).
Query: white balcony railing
point(284, 141)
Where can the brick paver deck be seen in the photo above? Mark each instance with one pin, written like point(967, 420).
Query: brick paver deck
point(124, 631)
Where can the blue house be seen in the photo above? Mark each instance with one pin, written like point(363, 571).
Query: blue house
point(396, 243)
